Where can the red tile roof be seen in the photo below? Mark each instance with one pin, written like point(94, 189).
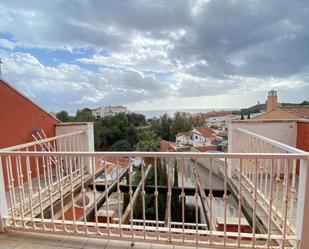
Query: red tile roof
point(207, 133)
point(166, 146)
point(302, 112)
point(206, 148)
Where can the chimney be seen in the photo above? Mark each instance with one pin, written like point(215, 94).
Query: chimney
point(272, 101)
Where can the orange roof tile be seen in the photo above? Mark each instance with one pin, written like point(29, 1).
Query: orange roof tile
point(206, 148)
point(207, 132)
point(302, 112)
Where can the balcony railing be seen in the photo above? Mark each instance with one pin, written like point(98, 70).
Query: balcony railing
point(247, 199)
point(281, 175)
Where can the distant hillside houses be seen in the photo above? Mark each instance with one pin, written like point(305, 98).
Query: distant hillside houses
point(199, 136)
point(220, 122)
point(111, 110)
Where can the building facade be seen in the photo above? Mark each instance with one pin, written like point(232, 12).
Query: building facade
point(102, 112)
point(199, 136)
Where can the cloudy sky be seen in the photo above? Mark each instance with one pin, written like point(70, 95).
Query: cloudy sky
point(155, 54)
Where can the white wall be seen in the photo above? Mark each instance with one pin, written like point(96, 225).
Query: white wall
point(281, 131)
point(87, 138)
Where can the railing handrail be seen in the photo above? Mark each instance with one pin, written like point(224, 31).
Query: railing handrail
point(277, 144)
point(233, 155)
point(25, 145)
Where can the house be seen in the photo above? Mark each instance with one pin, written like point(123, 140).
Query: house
point(168, 146)
point(102, 112)
point(98, 112)
point(114, 110)
point(275, 111)
point(197, 137)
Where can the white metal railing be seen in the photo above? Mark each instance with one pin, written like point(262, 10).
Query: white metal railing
point(75, 203)
point(66, 142)
point(275, 183)
point(31, 182)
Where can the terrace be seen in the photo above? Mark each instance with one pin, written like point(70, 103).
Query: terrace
point(58, 192)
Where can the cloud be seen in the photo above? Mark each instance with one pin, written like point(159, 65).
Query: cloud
point(68, 86)
point(142, 54)
point(145, 52)
point(6, 44)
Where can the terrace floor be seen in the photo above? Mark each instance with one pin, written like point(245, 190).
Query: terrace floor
point(26, 240)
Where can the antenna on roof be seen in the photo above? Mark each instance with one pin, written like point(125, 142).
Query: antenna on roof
point(0, 69)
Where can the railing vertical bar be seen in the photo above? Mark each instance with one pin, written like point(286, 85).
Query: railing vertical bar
point(278, 180)
point(286, 201)
point(183, 198)
point(156, 196)
point(72, 193)
point(266, 178)
point(286, 162)
point(196, 198)
point(10, 190)
point(119, 197)
point(270, 202)
point(106, 199)
point(210, 196)
point(254, 198)
point(3, 199)
point(60, 180)
point(169, 194)
point(9, 163)
point(239, 200)
point(131, 204)
point(56, 160)
point(293, 191)
point(29, 175)
point(93, 163)
point(21, 199)
point(44, 171)
point(50, 189)
point(81, 166)
point(225, 198)
point(21, 179)
point(143, 197)
point(40, 187)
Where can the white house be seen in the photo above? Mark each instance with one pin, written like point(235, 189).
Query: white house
point(102, 112)
point(114, 110)
point(197, 137)
point(222, 121)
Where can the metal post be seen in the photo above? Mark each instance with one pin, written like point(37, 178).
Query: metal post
point(3, 204)
point(302, 213)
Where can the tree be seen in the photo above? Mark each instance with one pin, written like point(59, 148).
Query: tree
point(181, 124)
point(304, 102)
point(115, 128)
point(149, 141)
point(248, 117)
point(242, 116)
point(63, 116)
point(136, 119)
point(121, 145)
point(84, 115)
point(163, 127)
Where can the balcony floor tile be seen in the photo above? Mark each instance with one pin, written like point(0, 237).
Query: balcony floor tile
point(26, 240)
